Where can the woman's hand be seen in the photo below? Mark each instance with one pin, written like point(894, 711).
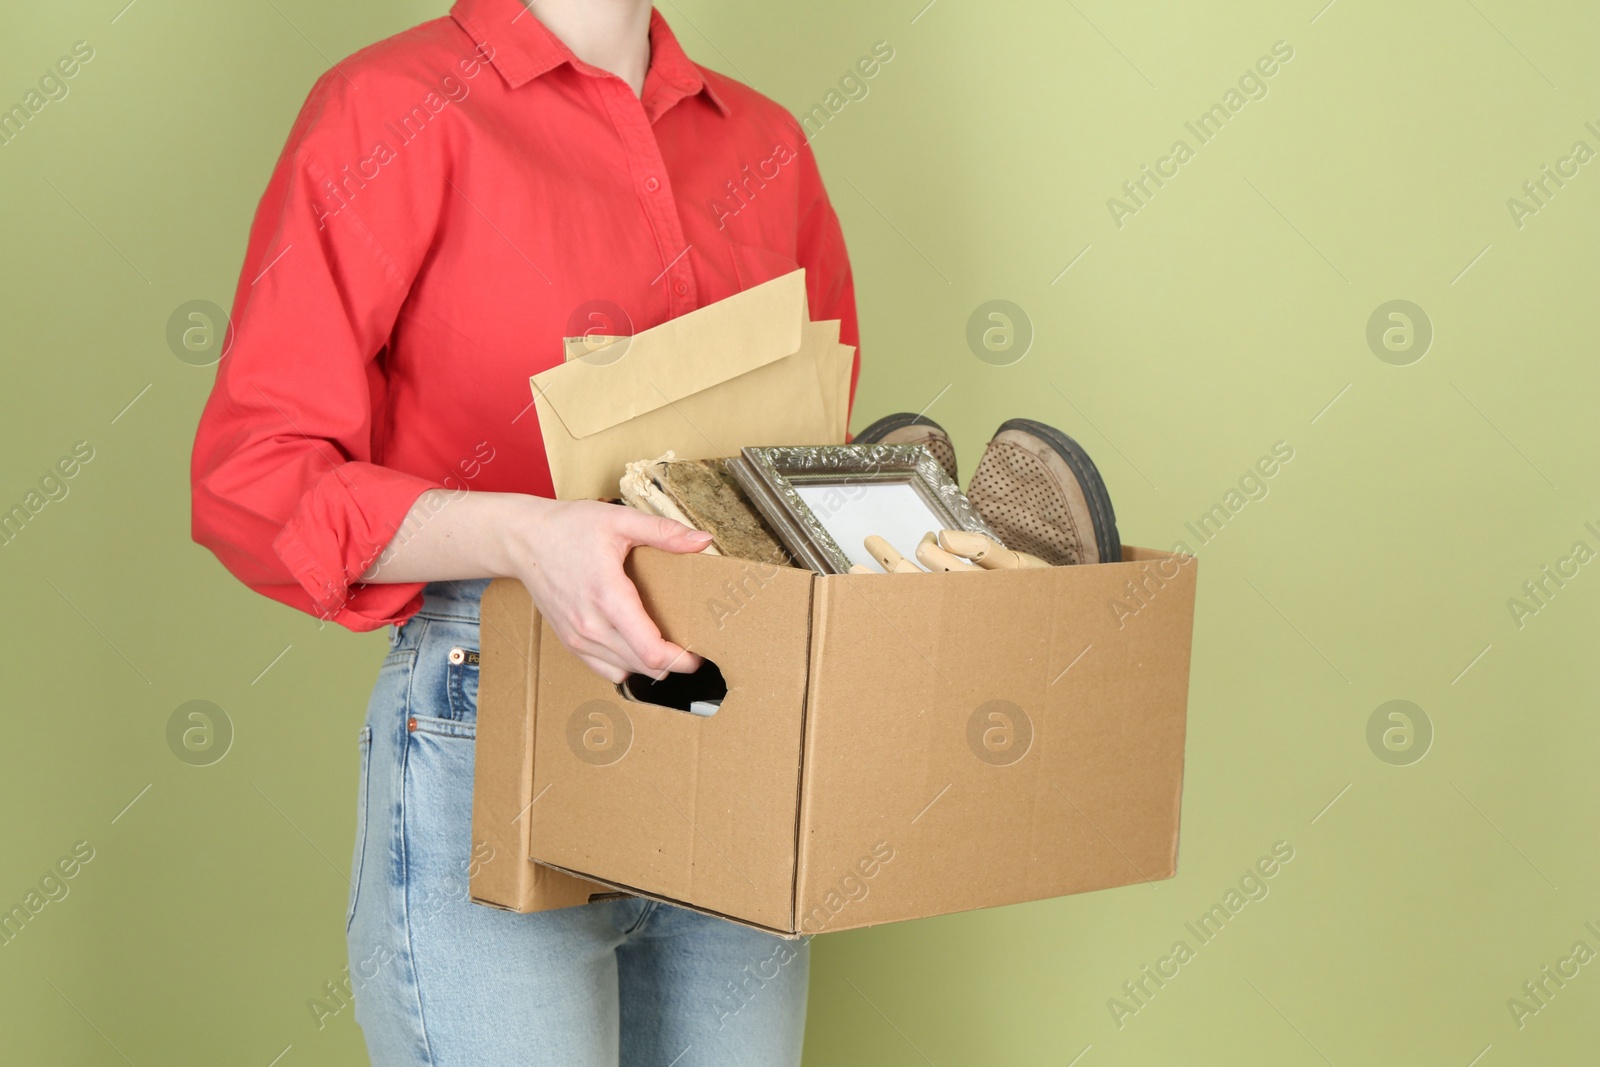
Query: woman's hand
point(572, 564)
point(568, 553)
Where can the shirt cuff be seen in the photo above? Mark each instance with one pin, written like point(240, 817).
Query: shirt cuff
point(338, 531)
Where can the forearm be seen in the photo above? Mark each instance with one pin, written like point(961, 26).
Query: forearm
point(568, 553)
point(448, 536)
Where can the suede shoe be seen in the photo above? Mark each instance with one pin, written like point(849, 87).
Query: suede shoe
point(1041, 493)
point(906, 428)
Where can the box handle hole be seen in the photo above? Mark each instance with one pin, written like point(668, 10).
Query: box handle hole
point(699, 692)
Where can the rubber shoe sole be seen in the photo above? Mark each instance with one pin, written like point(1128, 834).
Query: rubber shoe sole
point(1041, 493)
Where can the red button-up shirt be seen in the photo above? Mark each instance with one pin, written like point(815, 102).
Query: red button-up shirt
point(451, 204)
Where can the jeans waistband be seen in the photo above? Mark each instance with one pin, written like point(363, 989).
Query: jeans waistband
point(453, 600)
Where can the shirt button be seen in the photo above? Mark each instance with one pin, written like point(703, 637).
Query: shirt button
point(651, 185)
point(681, 288)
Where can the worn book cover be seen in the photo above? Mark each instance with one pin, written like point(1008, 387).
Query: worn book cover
point(704, 495)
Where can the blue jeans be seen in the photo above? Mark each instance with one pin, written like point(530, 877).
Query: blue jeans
point(441, 981)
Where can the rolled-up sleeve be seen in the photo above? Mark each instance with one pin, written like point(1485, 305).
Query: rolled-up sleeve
point(286, 489)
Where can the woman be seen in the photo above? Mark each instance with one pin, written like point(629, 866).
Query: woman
point(452, 204)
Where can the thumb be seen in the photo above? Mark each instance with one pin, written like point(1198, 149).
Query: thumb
point(664, 533)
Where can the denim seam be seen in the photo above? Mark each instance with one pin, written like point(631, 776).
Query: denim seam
point(405, 876)
point(454, 729)
point(645, 914)
point(364, 743)
point(399, 655)
point(456, 676)
point(444, 616)
point(416, 658)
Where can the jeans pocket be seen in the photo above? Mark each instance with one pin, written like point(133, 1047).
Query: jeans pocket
point(357, 862)
point(462, 683)
point(428, 724)
point(437, 817)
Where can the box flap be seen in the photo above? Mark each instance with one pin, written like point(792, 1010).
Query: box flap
point(678, 358)
point(500, 873)
point(634, 891)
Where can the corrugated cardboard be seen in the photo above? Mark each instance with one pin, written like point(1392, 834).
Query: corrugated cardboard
point(508, 680)
point(846, 780)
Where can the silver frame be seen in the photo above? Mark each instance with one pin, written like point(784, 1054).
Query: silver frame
point(769, 476)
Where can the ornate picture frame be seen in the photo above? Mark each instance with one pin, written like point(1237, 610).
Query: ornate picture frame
point(774, 478)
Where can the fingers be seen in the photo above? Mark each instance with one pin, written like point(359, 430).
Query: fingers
point(887, 556)
point(593, 608)
point(660, 532)
point(931, 556)
point(657, 655)
point(615, 663)
point(604, 668)
point(617, 633)
point(596, 638)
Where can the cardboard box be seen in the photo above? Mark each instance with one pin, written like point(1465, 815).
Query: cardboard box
point(500, 873)
point(891, 746)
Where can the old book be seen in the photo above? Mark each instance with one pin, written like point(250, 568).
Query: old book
point(704, 495)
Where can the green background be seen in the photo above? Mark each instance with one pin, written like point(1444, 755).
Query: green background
point(1226, 315)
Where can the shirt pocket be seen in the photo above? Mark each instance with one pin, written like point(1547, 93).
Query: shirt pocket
point(754, 264)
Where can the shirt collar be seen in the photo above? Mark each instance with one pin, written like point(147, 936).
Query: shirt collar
point(522, 49)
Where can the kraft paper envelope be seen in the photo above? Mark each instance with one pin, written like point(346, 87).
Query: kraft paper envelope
point(742, 371)
point(834, 361)
point(833, 369)
point(844, 357)
point(833, 374)
point(588, 345)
